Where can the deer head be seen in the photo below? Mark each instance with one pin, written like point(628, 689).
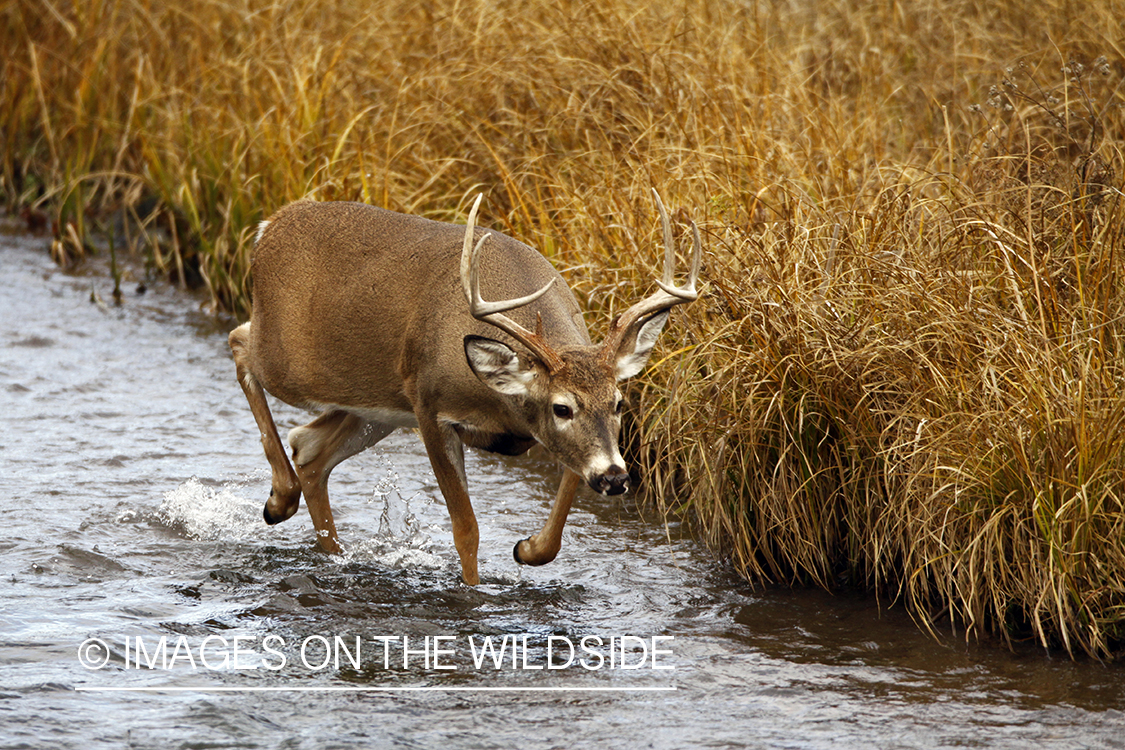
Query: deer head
point(570, 395)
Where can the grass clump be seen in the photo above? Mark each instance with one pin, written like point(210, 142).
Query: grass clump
point(907, 369)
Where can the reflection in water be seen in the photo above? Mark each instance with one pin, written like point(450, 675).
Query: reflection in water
point(134, 482)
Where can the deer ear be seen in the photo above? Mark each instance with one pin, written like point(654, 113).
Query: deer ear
point(634, 351)
point(498, 365)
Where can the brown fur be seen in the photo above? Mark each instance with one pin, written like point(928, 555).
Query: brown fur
point(360, 313)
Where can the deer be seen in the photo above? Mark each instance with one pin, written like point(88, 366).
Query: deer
point(376, 320)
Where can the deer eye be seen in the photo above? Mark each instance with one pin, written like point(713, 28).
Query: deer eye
point(620, 406)
point(562, 411)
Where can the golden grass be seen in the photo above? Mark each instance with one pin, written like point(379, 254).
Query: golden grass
point(907, 371)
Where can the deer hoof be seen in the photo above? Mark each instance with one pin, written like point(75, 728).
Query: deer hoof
point(278, 508)
point(543, 558)
point(271, 519)
point(516, 551)
point(277, 516)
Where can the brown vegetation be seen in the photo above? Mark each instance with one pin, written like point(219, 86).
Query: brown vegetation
point(908, 370)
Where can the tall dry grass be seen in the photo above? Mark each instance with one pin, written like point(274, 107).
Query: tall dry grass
point(907, 371)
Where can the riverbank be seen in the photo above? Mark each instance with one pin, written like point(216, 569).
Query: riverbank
point(137, 500)
point(907, 368)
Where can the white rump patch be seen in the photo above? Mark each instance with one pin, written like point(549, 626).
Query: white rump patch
point(261, 230)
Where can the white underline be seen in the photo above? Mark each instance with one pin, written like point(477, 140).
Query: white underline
point(389, 689)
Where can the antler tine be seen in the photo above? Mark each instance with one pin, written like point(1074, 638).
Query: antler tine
point(493, 312)
point(687, 292)
point(667, 296)
point(669, 245)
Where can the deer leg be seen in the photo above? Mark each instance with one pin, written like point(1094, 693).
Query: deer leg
point(447, 457)
point(285, 488)
point(318, 448)
point(542, 548)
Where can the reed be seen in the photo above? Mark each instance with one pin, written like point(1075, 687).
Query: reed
point(907, 371)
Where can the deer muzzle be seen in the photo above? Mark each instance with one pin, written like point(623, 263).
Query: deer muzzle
point(614, 481)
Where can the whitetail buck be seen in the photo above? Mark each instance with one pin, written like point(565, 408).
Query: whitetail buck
point(376, 320)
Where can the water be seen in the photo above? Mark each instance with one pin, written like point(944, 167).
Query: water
point(133, 482)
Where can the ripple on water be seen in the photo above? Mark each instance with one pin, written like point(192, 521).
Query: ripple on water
point(132, 516)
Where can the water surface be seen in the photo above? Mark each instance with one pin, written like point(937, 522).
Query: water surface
point(133, 481)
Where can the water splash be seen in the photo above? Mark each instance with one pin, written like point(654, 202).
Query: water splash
point(397, 524)
point(213, 513)
point(399, 542)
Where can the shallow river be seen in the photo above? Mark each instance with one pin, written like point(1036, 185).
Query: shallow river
point(144, 603)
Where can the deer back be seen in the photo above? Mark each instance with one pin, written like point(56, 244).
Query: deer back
point(363, 308)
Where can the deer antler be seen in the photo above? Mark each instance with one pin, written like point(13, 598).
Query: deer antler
point(493, 312)
point(667, 297)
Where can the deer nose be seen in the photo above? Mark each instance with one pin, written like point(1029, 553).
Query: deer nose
point(613, 482)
